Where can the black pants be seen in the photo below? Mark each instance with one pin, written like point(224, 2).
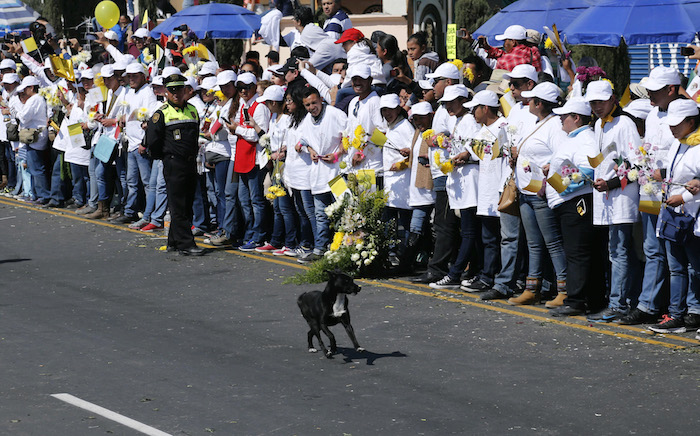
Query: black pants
point(180, 181)
point(447, 236)
point(582, 240)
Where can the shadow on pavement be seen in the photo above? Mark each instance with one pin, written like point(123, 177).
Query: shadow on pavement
point(13, 260)
point(352, 355)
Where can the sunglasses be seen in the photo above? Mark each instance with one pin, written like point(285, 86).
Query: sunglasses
point(174, 89)
point(245, 87)
point(517, 84)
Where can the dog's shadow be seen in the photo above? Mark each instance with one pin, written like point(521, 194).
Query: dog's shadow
point(350, 355)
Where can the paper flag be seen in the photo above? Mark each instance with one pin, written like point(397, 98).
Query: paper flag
point(367, 176)
point(338, 186)
point(96, 94)
point(650, 206)
point(75, 132)
point(53, 124)
point(597, 160)
point(507, 102)
point(144, 21)
point(29, 45)
point(556, 182)
point(62, 67)
point(378, 138)
point(534, 186)
point(626, 97)
point(198, 50)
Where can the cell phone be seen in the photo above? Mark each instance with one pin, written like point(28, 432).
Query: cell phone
point(687, 51)
point(461, 33)
point(177, 32)
point(246, 115)
point(423, 160)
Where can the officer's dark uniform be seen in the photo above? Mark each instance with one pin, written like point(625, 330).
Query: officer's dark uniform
point(172, 135)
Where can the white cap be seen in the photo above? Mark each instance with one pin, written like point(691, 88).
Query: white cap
point(639, 108)
point(515, 32)
point(678, 110)
point(272, 93)
point(361, 70)
point(276, 69)
point(226, 76)
point(483, 98)
point(426, 84)
point(575, 105)
point(208, 83)
point(136, 68)
point(120, 65)
point(107, 71)
point(157, 81)
point(169, 71)
point(208, 68)
point(141, 33)
point(454, 91)
point(547, 91)
point(192, 83)
point(47, 64)
point(8, 63)
point(447, 70)
point(247, 78)
point(10, 78)
point(522, 71)
point(112, 35)
point(599, 90)
point(389, 101)
point(660, 77)
point(27, 82)
point(421, 108)
point(87, 74)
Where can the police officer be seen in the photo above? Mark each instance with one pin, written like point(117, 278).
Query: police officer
point(171, 135)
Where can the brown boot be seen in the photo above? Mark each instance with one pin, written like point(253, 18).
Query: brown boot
point(3, 184)
point(531, 294)
point(101, 213)
point(561, 296)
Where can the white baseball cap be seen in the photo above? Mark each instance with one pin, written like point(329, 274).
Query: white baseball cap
point(361, 70)
point(8, 64)
point(226, 76)
point(454, 91)
point(247, 78)
point(120, 65)
point(209, 68)
point(27, 82)
point(208, 83)
point(522, 71)
point(389, 101)
point(135, 68)
point(447, 71)
point(678, 110)
point(483, 98)
point(157, 81)
point(107, 71)
point(547, 91)
point(87, 74)
point(426, 85)
point(10, 78)
point(276, 69)
point(192, 83)
point(112, 35)
point(575, 105)
point(599, 90)
point(515, 32)
point(639, 108)
point(141, 33)
point(660, 77)
point(169, 71)
point(272, 93)
point(421, 108)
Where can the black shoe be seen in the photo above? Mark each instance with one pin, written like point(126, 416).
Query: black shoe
point(191, 251)
point(446, 282)
point(73, 206)
point(562, 311)
point(669, 325)
point(637, 317)
point(493, 294)
point(606, 315)
point(54, 204)
point(692, 321)
point(425, 278)
point(477, 285)
point(124, 219)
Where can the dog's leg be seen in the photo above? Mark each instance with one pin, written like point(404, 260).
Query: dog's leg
point(345, 320)
point(331, 337)
point(311, 335)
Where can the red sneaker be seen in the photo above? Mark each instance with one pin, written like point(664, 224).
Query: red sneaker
point(150, 228)
point(266, 248)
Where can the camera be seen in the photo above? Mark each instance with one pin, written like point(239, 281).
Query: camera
point(423, 160)
point(687, 51)
point(9, 39)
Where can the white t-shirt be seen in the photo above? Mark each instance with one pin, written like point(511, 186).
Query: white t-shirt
point(324, 137)
point(462, 181)
point(137, 99)
point(396, 183)
point(576, 147)
point(442, 123)
point(418, 196)
point(536, 151)
point(685, 168)
point(491, 172)
point(366, 113)
point(297, 166)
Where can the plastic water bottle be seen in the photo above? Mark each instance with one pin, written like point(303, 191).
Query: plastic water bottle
point(166, 223)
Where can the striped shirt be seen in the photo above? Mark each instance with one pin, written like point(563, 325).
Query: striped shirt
point(337, 24)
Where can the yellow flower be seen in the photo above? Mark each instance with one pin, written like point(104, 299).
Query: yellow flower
point(346, 143)
point(359, 132)
point(458, 63)
point(469, 74)
point(99, 81)
point(642, 150)
point(440, 140)
point(270, 196)
point(220, 96)
point(428, 133)
point(447, 167)
point(337, 240)
point(357, 143)
point(548, 44)
point(611, 84)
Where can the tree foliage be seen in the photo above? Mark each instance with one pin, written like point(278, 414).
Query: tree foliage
point(613, 60)
point(471, 14)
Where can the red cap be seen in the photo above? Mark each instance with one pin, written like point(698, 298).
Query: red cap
point(351, 34)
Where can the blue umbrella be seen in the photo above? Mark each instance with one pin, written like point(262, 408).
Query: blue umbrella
point(213, 20)
point(15, 16)
point(637, 21)
point(533, 14)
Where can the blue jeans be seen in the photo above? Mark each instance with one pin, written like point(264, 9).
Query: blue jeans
point(420, 217)
point(80, 182)
point(284, 229)
point(93, 189)
point(122, 186)
point(250, 194)
point(160, 202)
point(304, 204)
point(220, 174)
point(650, 299)
point(625, 267)
point(402, 223)
point(200, 215)
point(11, 165)
point(138, 166)
point(467, 248)
point(37, 168)
point(229, 222)
point(323, 229)
point(684, 265)
point(491, 239)
point(58, 184)
point(542, 232)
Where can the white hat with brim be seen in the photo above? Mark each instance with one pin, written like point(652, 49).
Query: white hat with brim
point(639, 108)
point(661, 76)
point(389, 101)
point(515, 32)
point(272, 93)
point(679, 110)
point(247, 79)
point(169, 71)
point(575, 105)
point(362, 71)
point(8, 64)
point(141, 33)
point(426, 85)
point(226, 76)
point(209, 68)
point(445, 71)
point(599, 90)
point(157, 81)
point(192, 83)
point(546, 91)
point(483, 98)
point(111, 35)
point(522, 71)
point(454, 91)
point(136, 68)
point(276, 69)
point(10, 78)
point(421, 108)
point(27, 82)
point(107, 71)
point(208, 83)
point(87, 74)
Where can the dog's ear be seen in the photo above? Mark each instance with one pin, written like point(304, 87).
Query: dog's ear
point(330, 273)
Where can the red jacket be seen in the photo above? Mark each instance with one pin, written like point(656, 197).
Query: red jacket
point(521, 54)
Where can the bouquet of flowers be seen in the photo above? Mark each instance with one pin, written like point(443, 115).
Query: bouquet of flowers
point(276, 190)
point(641, 169)
point(571, 174)
point(440, 140)
point(50, 94)
point(147, 56)
point(357, 139)
point(141, 114)
point(82, 56)
point(446, 166)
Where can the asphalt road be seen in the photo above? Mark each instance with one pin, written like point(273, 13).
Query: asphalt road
point(216, 345)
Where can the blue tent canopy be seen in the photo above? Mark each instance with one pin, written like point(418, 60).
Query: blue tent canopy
point(213, 20)
point(15, 16)
point(637, 22)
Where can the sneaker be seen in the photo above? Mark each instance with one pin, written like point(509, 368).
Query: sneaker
point(283, 251)
point(196, 231)
point(249, 246)
point(669, 325)
point(692, 321)
point(150, 228)
point(606, 315)
point(138, 225)
point(267, 248)
point(493, 294)
point(697, 335)
point(637, 317)
point(445, 283)
point(298, 252)
point(57, 204)
point(219, 239)
point(468, 281)
point(124, 219)
point(562, 311)
point(310, 257)
point(477, 285)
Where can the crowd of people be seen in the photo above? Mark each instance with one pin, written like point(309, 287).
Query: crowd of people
point(509, 173)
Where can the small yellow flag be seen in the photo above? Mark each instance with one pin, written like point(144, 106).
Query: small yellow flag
point(534, 186)
point(506, 102)
point(338, 185)
point(29, 45)
point(378, 137)
point(75, 129)
point(367, 176)
point(556, 182)
point(144, 20)
point(62, 67)
point(650, 207)
point(626, 97)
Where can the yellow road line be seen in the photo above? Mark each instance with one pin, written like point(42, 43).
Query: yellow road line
point(389, 284)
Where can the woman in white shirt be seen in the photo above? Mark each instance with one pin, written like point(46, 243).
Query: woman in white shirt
point(32, 115)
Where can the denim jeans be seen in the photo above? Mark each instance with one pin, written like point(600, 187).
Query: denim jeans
point(138, 166)
point(304, 204)
point(93, 189)
point(36, 164)
point(229, 222)
point(160, 203)
point(420, 218)
point(80, 182)
point(650, 299)
point(491, 239)
point(402, 222)
point(625, 268)
point(252, 198)
point(23, 186)
point(59, 185)
point(512, 256)
point(220, 174)
point(684, 265)
point(543, 233)
point(200, 209)
point(468, 224)
point(323, 229)
point(11, 165)
point(284, 229)
point(122, 186)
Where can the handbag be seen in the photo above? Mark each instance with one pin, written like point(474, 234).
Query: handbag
point(508, 203)
point(12, 131)
point(29, 136)
point(675, 226)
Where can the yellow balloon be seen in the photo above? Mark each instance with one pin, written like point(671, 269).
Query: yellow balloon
point(107, 14)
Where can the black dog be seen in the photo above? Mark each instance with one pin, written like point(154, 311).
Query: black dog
point(328, 308)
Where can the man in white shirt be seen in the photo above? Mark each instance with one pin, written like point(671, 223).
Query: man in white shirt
point(33, 115)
